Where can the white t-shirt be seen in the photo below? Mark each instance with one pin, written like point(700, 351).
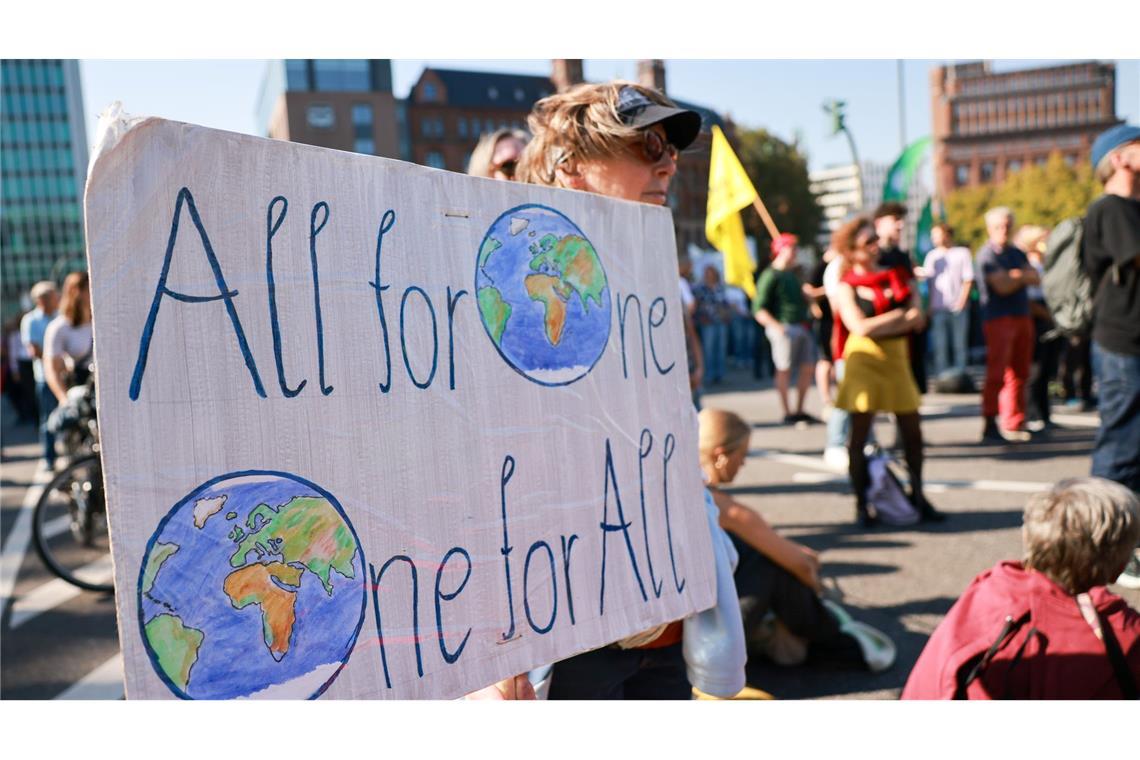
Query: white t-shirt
point(62, 339)
point(831, 279)
point(686, 294)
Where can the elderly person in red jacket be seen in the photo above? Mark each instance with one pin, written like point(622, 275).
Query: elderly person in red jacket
point(1045, 628)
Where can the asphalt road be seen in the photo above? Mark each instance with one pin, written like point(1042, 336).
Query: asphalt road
point(56, 642)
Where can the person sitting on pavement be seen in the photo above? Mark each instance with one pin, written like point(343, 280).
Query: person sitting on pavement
point(877, 309)
point(622, 140)
point(1045, 627)
point(1005, 275)
point(781, 309)
point(777, 579)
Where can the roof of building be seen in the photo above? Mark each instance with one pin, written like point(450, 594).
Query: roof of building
point(484, 89)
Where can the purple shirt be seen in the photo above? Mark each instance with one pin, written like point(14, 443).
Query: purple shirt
point(948, 270)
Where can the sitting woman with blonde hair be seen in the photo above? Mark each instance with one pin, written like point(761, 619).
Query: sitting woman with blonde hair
point(778, 580)
point(622, 140)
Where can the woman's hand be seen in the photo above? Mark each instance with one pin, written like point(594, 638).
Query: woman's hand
point(516, 687)
point(806, 567)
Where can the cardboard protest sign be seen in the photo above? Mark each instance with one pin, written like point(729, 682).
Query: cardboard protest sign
point(375, 430)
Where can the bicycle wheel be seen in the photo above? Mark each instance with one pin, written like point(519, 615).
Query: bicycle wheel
point(70, 526)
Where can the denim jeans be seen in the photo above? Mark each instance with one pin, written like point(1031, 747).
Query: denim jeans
point(714, 341)
point(47, 404)
point(1116, 453)
point(949, 330)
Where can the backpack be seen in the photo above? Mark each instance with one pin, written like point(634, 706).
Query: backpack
point(1067, 287)
point(886, 493)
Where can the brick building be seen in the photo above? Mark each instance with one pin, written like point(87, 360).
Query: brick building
point(987, 124)
point(333, 103)
point(447, 112)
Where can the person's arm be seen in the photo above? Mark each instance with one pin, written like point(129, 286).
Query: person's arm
point(515, 687)
point(54, 370)
point(891, 323)
point(765, 318)
point(964, 298)
point(755, 531)
point(696, 352)
point(1005, 282)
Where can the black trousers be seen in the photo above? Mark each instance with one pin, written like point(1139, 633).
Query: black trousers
point(612, 673)
point(1045, 357)
point(764, 586)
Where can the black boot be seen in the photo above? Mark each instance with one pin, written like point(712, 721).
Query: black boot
point(926, 510)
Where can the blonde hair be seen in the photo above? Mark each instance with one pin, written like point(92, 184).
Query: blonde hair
point(75, 297)
point(1031, 237)
point(1081, 532)
point(580, 124)
point(479, 165)
point(721, 430)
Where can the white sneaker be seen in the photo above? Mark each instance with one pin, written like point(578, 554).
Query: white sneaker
point(835, 457)
point(879, 652)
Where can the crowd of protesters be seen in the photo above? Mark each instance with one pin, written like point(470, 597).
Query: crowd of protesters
point(856, 323)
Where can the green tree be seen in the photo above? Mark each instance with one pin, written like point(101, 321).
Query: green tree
point(1041, 195)
point(779, 172)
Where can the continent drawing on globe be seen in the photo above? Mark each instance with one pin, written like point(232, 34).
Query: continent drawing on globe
point(306, 531)
point(176, 646)
point(543, 295)
point(273, 587)
point(267, 603)
point(204, 509)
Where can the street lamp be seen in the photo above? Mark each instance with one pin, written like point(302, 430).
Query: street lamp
point(835, 109)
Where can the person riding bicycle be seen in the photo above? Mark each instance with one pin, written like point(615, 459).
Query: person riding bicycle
point(67, 360)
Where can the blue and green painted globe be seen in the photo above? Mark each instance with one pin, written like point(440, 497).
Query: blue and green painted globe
point(253, 585)
point(543, 295)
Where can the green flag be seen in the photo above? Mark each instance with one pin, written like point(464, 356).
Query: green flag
point(922, 241)
point(903, 170)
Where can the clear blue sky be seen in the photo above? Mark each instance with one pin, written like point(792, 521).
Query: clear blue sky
point(784, 97)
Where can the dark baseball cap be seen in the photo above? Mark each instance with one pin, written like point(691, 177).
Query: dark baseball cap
point(1111, 139)
point(681, 125)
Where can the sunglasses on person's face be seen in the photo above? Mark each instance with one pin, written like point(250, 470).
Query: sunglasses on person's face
point(507, 168)
point(869, 240)
point(653, 146)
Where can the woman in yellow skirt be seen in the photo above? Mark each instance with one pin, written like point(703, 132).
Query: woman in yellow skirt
point(877, 309)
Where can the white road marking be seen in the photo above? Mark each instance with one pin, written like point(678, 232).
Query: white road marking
point(49, 595)
point(104, 682)
point(21, 535)
point(939, 486)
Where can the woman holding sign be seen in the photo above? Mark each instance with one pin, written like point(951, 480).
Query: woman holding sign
point(622, 140)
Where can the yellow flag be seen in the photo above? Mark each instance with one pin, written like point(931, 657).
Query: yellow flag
point(730, 190)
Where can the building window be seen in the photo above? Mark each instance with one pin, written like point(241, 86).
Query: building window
point(320, 116)
point(961, 174)
point(429, 92)
point(365, 145)
point(987, 171)
point(297, 74)
point(435, 160)
point(461, 126)
point(1070, 159)
point(493, 93)
point(520, 96)
point(362, 120)
point(342, 75)
point(432, 127)
point(1014, 166)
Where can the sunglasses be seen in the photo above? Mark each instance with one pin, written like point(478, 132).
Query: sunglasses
point(653, 146)
point(872, 238)
point(507, 168)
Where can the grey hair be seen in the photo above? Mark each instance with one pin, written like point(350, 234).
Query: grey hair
point(998, 212)
point(1081, 532)
point(42, 288)
point(479, 165)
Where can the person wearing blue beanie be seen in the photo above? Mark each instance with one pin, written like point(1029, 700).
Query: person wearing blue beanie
point(1112, 260)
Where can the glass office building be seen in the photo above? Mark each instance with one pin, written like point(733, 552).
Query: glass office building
point(43, 160)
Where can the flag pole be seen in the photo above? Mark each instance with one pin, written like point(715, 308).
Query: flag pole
point(764, 215)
